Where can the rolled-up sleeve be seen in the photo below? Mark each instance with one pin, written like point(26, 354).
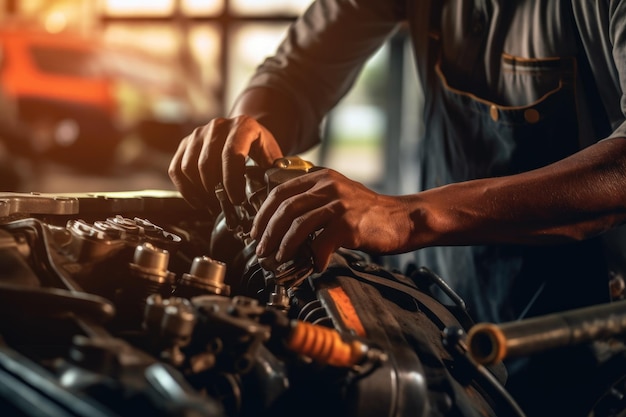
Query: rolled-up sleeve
point(322, 55)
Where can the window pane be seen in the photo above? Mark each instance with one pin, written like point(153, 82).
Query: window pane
point(205, 48)
point(138, 7)
point(202, 7)
point(161, 7)
point(157, 38)
point(265, 7)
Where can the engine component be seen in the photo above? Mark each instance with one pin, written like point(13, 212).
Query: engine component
point(490, 343)
point(205, 276)
point(325, 345)
point(170, 323)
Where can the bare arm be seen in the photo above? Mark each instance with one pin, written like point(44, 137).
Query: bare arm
point(573, 199)
point(576, 198)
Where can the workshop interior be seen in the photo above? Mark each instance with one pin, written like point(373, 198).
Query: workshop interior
point(119, 299)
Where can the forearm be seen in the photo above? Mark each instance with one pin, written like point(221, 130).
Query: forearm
point(573, 199)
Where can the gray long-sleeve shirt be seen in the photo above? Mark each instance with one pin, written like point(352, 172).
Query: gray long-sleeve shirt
point(518, 64)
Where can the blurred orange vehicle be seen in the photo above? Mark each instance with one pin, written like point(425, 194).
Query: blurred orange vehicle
point(58, 96)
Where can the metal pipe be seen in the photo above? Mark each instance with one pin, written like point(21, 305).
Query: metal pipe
point(490, 343)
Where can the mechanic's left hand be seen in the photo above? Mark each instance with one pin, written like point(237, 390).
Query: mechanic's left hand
point(342, 212)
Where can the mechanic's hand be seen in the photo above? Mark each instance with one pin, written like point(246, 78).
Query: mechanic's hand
point(217, 152)
point(342, 212)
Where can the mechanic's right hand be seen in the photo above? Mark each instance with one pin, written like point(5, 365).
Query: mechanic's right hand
point(217, 152)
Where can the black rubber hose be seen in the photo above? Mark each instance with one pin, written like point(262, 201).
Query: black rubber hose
point(46, 302)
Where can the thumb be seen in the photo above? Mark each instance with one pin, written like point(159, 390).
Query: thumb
point(265, 150)
point(248, 138)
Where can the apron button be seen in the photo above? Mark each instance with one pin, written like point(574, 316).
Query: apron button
point(493, 112)
point(531, 116)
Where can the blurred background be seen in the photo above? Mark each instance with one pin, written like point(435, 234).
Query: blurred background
point(96, 94)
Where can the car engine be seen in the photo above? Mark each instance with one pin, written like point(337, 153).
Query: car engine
point(134, 303)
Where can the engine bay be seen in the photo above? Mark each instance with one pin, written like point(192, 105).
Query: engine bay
point(134, 303)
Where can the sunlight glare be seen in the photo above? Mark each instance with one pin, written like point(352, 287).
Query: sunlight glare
point(138, 7)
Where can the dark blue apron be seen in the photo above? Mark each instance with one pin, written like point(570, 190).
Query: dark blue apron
point(469, 137)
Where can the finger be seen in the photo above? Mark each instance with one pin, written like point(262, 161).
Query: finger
point(277, 226)
point(265, 150)
point(209, 160)
point(174, 171)
point(180, 176)
point(301, 229)
point(245, 136)
point(295, 219)
point(276, 197)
